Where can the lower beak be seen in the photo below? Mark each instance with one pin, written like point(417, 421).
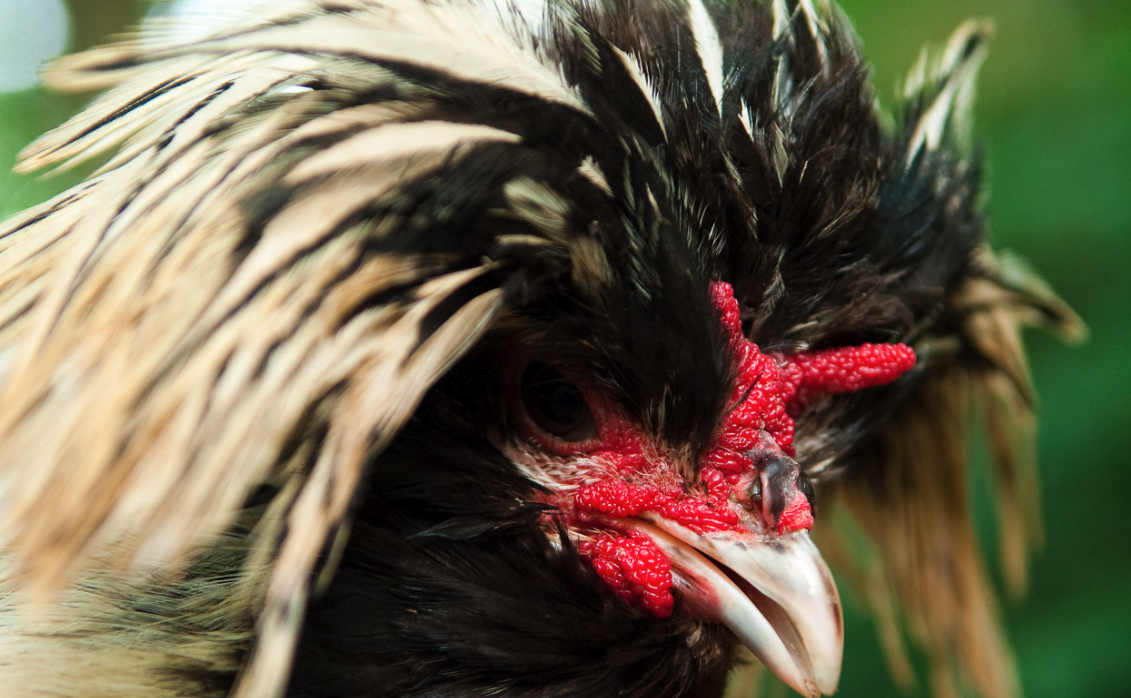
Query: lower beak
point(777, 596)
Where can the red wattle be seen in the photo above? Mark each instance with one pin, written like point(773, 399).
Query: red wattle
point(634, 568)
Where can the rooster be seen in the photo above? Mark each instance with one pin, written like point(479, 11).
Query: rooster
point(463, 348)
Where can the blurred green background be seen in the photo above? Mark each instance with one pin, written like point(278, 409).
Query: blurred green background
point(1054, 112)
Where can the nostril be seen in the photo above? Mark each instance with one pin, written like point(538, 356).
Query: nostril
point(779, 489)
point(755, 492)
point(779, 475)
point(806, 486)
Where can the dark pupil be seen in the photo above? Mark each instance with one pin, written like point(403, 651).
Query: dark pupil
point(559, 402)
point(555, 404)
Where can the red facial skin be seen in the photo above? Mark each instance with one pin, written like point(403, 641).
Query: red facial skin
point(624, 475)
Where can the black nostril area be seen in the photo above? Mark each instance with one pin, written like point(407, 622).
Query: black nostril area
point(806, 486)
point(780, 476)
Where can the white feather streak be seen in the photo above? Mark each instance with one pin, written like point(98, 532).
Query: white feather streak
point(394, 141)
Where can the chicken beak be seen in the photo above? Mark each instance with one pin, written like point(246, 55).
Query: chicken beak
point(777, 596)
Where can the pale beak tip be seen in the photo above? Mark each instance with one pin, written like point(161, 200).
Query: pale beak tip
point(787, 611)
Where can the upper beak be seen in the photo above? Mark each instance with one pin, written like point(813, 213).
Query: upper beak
point(777, 596)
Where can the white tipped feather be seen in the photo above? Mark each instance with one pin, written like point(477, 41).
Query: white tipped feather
point(954, 77)
point(816, 29)
point(591, 171)
point(710, 49)
point(781, 18)
point(647, 89)
point(746, 118)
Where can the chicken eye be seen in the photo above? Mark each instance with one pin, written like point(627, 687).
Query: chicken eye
point(555, 405)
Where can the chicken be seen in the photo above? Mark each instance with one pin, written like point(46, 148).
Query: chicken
point(465, 348)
